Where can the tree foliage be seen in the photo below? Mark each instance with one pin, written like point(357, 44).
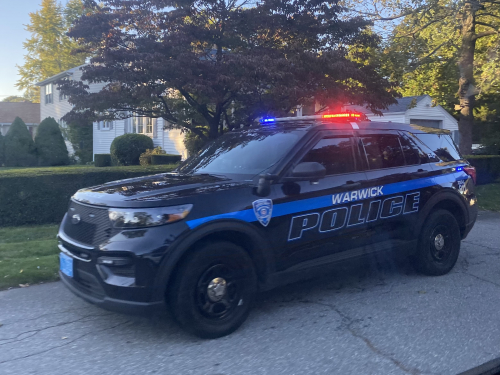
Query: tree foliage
point(20, 149)
point(14, 99)
point(80, 134)
point(49, 143)
point(445, 48)
point(207, 65)
point(49, 49)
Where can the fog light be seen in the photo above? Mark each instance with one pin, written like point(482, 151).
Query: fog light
point(114, 262)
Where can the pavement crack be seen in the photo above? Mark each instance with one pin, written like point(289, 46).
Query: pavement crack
point(36, 331)
point(482, 279)
point(486, 247)
point(347, 321)
point(66, 343)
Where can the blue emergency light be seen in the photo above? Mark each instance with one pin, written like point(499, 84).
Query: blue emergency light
point(268, 120)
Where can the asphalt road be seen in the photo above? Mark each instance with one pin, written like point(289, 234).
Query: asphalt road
point(367, 317)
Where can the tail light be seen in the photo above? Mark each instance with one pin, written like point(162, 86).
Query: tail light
point(471, 171)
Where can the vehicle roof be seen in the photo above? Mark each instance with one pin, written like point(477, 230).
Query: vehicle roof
point(345, 125)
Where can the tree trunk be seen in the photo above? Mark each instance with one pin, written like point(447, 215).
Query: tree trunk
point(466, 90)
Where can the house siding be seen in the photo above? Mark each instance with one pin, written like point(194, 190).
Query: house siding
point(425, 111)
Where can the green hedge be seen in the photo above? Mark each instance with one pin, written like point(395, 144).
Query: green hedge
point(487, 167)
point(165, 159)
point(127, 148)
point(41, 195)
point(102, 160)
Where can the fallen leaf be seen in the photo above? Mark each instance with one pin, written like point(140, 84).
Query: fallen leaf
point(64, 338)
point(422, 292)
point(21, 271)
point(24, 285)
point(6, 276)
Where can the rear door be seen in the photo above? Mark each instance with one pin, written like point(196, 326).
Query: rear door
point(318, 221)
point(395, 168)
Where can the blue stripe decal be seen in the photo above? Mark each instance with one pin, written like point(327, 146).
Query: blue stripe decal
point(326, 200)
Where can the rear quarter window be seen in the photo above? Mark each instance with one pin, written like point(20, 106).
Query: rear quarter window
point(441, 145)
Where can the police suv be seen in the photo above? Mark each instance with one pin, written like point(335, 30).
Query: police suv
point(260, 206)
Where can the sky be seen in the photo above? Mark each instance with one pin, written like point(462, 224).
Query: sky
point(14, 14)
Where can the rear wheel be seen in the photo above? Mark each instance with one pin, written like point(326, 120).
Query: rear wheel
point(438, 245)
point(213, 290)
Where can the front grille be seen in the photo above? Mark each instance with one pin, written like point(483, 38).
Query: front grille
point(94, 227)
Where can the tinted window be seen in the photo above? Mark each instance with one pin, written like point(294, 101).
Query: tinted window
point(441, 145)
point(383, 151)
point(413, 155)
point(246, 152)
point(335, 154)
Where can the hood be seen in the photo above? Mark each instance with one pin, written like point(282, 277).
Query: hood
point(156, 190)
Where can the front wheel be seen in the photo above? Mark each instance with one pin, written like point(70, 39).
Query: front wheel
point(213, 290)
point(438, 245)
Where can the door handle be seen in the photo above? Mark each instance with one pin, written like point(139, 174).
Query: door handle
point(351, 184)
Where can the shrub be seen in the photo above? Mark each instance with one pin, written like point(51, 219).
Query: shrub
point(145, 158)
point(193, 143)
point(165, 159)
point(80, 134)
point(50, 145)
point(20, 149)
point(2, 147)
point(487, 167)
point(102, 160)
point(126, 149)
point(41, 195)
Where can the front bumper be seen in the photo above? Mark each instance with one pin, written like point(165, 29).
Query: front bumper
point(121, 306)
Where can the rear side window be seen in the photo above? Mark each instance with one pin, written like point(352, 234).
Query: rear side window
point(413, 154)
point(383, 151)
point(441, 145)
point(335, 154)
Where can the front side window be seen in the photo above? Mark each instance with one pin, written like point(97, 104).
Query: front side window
point(48, 94)
point(335, 154)
point(383, 151)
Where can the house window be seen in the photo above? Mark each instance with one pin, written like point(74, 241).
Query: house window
point(105, 125)
point(48, 94)
point(143, 125)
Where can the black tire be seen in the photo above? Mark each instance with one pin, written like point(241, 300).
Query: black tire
point(213, 290)
point(438, 244)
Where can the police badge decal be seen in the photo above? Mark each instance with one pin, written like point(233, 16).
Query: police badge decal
point(263, 210)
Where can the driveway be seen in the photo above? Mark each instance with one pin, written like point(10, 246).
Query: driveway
point(375, 316)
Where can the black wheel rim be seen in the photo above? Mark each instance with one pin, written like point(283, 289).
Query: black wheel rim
point(440, 243)
point(218, 292)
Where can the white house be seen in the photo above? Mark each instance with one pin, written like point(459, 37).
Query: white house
point(54, 104)
point(418, 110)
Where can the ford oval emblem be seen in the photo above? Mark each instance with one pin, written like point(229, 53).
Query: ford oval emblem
point(76, 219)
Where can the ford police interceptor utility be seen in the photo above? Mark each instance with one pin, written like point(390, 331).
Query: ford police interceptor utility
point(259, 207)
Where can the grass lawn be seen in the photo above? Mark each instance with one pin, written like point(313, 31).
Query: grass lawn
point(488, 196)
point(28, 255)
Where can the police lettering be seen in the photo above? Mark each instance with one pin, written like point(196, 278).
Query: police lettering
point(356, 195)
point(357, 214)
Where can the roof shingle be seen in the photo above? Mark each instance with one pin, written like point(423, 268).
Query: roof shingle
point(28, 112)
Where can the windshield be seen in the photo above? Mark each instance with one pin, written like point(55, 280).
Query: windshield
point(250, 152)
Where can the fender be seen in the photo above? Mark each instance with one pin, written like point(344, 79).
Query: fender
point(447, 194)
point(260, 246)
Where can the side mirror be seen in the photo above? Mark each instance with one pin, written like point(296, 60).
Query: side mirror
point(308, 171)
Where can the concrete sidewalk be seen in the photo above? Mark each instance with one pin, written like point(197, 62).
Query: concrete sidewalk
point(368, 317)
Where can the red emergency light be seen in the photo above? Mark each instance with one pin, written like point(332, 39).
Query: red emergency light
point(342, 115)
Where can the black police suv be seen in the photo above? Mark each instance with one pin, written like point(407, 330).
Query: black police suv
point(261, 206)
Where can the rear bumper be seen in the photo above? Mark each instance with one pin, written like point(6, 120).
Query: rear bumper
point(121, 306)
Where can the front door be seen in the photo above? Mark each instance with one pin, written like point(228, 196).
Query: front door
point(319, 218)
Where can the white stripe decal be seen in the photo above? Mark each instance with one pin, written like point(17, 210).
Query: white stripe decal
point(354, 125)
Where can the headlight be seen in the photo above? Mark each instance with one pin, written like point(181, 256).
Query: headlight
point(147, 217)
